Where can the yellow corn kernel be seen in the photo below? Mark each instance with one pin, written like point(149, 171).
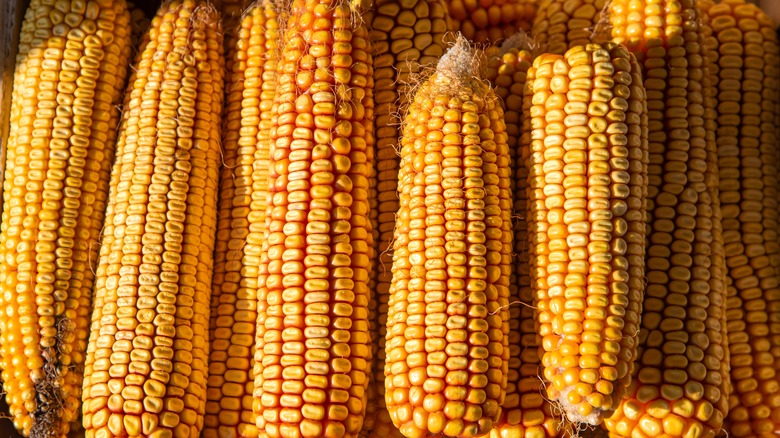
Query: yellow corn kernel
point(251, 87)
point(525, 413)
point(67, 85)
point(146, 365)
point(312, 355)
point(447, 341)
point(744, 55)
point(587, 179)
point(490, 21)
point(407, 36)
point(683, 358)
point(562, 24)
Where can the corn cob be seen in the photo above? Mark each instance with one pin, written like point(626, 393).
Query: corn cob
point(447, 329)
point(312, 355)
point(561, 24)
point(146, 361)
point(774, 246)
point(407, 36)
point(587, 174)
point(680, 385)
point(366, 9)
point(745, 57)
point(70, 71)
point(525, 413)
point(251, 87)
point(718, 255)
point(491, 20)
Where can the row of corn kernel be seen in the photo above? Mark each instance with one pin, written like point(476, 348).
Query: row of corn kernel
point(490, 21)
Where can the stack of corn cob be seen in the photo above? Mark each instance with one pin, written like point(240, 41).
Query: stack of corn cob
point(343, 228)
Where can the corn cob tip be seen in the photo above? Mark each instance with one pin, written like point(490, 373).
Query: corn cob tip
point(460, 61)
point(521, 40)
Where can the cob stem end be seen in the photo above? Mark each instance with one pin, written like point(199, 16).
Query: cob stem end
point(595, 418)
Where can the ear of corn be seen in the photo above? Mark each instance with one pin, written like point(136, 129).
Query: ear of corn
point(525, 412)
point(680, 386)
point(587, 178)
point(70, 71)
point(146, 361)
point(561, 24)
point(491, 20)
point(407, 36)
point(447, 351)
point(745, 55)
point(251, 87)
point(312, 353)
